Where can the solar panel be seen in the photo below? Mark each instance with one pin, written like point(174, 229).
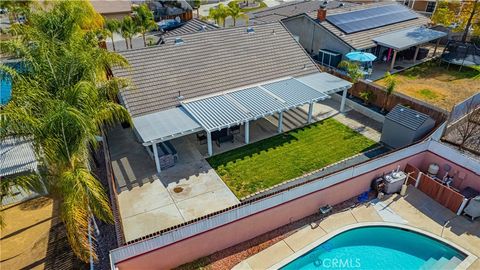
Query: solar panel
point(360, 20)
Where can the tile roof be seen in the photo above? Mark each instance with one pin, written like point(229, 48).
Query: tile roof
point(208, 63)
point(364, 39)
point(192, 26)
point(286, 10)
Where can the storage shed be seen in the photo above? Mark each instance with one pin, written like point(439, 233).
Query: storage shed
point(404, 126)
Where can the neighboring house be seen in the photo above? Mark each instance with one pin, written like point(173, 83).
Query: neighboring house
point(285, 10)
point(17, 157)
point(191, 26)
point(113, 9)
point(381, 28)
point(424, 7)
point(210, 81)
point(171, 9)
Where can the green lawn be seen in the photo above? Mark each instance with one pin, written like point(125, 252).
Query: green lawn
point(266, 163)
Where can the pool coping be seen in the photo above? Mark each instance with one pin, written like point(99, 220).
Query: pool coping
point(469, 259)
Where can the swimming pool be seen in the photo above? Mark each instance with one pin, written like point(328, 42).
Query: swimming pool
point(379, 247)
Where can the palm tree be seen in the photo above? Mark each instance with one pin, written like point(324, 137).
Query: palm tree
point(389, 88)
point(219, 14)
point(353, 71)
point(235, 12)
point(129, 30)
point(196, 5)
point(111, 27)
point(144, 21)
point(62, 103)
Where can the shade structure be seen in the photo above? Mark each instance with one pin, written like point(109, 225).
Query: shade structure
point(165, 125)
point(240, 106)
point(361, 56)
point(407, 38)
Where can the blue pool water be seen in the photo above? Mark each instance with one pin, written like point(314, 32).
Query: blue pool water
point(6, 82)
point(379, 247)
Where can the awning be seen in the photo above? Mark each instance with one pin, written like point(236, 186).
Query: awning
point(325, 82)
point(165, 125)
point(17, 156)
point(237, 107)
point(407, 38)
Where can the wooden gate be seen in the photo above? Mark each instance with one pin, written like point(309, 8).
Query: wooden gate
point(441, 193)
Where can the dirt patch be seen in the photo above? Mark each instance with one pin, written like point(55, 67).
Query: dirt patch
point(437, 85)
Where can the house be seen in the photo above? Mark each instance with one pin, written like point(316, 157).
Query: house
point(286, 10)
point(156, 38)
point(215, 80)
point(384, 29)
point(112, 9)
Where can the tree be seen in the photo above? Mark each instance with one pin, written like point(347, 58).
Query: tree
point(389, 88)
point(16, 8)
point(353, 71)
point(469, 11)
point(129, 29)
point(196, 6)
point(219, 14)
point(144, 21)
point(62, 102)
point(467, 129)
point(112, 26)
point(462, 16)
point(235, 12)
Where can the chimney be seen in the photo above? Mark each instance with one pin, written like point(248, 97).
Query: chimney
point(322, 13)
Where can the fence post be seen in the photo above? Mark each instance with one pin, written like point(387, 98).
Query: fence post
point(418, 179)
point(462, 206)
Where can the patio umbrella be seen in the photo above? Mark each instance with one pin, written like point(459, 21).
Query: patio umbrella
point(361, 56)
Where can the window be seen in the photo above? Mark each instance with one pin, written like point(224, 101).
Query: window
point(430, 7)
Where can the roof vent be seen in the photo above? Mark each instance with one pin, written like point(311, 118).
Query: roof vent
point(402, 109)
point(202, 28)
point(273, 32)
point(250, 30)
point(179, 41)
point(417, 116)
point(341, 5)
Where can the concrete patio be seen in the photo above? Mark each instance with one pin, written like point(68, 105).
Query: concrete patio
point(416, 208)
point(150, 202)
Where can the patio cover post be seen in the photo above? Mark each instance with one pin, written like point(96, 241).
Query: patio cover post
point(344, 98)
point(155, 156)
point(247, 132)
point(280, 122)
point(209, 143)
point(436, 46)
point(310, 112)
point(393, 60)
point(416, 54)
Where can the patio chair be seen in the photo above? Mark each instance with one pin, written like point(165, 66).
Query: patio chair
point(473, 208)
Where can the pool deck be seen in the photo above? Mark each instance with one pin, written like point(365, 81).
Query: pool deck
point(417, 209)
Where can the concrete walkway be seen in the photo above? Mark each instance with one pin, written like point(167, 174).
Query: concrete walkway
point(416, 208)
point(150, 202)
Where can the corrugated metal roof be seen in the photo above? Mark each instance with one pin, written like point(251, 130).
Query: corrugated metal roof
point(407, 117)
point(325, 82)
point(364, 39)
point(407, 38)
point(208, 63)
point(236, 107)
point(17, 156)
point(293, 92)
point(165, 125)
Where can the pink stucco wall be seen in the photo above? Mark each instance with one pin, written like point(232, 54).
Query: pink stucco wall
point(236, 232)
point(462, 177)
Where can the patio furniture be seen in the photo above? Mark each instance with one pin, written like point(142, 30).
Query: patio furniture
point(235, 130)
point(166, 159)
point(225, 138)
point(473, 208)
point(170, 149)
point(201, 138)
